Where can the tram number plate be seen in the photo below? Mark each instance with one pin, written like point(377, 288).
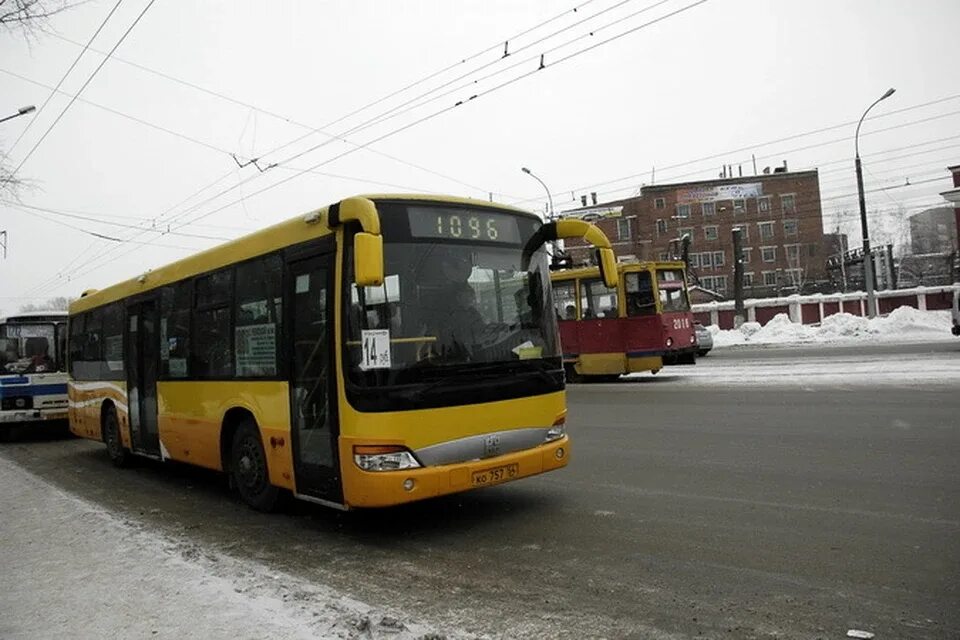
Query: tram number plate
point(496, 474)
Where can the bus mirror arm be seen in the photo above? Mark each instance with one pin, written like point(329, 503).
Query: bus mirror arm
point(367, 243)
point(573, 228)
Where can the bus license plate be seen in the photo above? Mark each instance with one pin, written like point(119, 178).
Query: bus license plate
point(496, 474)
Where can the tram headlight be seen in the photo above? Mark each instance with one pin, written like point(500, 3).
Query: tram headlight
point(383, 458)
point(669, 342)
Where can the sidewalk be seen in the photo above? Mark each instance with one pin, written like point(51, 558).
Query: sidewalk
point(73, 570)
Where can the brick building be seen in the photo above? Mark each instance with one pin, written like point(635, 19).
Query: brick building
point(784, 245)
point(933, 231)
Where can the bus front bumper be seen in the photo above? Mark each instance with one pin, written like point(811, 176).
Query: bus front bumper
point(386, 488)
point(32, 415)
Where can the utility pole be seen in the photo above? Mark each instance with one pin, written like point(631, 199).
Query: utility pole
point(738, 315)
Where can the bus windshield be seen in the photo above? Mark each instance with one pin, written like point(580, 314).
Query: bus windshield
point(28, 348)
point(451, 306)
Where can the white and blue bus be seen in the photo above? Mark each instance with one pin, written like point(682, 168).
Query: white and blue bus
point(33, 378)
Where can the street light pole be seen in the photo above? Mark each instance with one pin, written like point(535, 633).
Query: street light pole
point(543, 184)
point(867, 258)
point(22, 111)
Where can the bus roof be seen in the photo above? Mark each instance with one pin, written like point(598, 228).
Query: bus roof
point(260, 242)
point(33, 316)
point(622, 267)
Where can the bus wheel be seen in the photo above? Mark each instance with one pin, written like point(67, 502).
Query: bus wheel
point(119, 456)
point(248, 468)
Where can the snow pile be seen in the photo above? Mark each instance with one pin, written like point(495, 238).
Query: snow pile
point(904, 324)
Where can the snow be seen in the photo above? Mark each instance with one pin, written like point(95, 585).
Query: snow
point(809, 372)
point(904, 324)
point(73, 570)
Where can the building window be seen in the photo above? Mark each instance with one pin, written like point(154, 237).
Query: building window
point(768, 254)
point(707, 282)
point(747, 254)
point(744, 232)
point(720, 284)
point(739, 205)
point(686, 231)
point(769, 278)
point(683, 210)
point(788, 203)
point(623, 229)
point(710, 233)
point(659, 203)
point(795, 277)
point(694, 259)
point(766, 230)
point(718, 258)
point(661, 226)
point(706, 260)
point(708, 208)
point(664, 256)
point(763, 204)
point(789, 227)
point(748, 279)
point(793, 254)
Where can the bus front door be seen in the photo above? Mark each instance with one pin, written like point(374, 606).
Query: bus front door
point(313, 417)
point(142, 360)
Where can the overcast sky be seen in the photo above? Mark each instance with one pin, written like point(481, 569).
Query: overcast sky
point(709, 81)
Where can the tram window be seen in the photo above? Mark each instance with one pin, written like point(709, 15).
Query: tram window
point(565, 300)
point(640, 297)
point(596, 300)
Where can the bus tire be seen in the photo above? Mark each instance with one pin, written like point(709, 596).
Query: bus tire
point(248, 468)
point(119, 455)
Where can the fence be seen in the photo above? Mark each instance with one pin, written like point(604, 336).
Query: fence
point(811, 309)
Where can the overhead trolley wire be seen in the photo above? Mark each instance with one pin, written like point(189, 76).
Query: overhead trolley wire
point(87, 82)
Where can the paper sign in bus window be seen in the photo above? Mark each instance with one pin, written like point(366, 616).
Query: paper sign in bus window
point(257, 350)
point(375, 346)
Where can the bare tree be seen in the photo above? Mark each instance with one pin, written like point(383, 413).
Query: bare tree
point(28, 15)
point(53, 304)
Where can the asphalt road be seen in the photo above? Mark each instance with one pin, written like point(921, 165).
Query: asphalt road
point(688, 510)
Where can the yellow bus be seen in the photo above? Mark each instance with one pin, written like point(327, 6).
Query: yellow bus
point(381, 350)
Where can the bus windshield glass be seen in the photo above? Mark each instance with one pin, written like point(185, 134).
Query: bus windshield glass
point(28, 348)
point(673, 296)
point(460, 295)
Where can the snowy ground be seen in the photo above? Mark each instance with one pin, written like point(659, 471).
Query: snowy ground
point(838, 372)
point(73, 570)
point(904, 324)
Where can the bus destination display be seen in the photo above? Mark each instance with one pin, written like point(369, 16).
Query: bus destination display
point(463, 224)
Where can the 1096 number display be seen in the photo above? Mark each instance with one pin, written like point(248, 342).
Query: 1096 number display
point(463, 224)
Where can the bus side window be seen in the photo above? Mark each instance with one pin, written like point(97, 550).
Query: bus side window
point(214, 297)
point(640, 298)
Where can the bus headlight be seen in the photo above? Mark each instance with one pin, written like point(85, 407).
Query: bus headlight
point(383, 458)
point(558, 429)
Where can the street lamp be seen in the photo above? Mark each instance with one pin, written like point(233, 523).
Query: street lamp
point(867, 258)
point(549, 197)
point(22, 111)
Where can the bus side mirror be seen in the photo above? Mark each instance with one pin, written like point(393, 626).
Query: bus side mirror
point(368, 259)
point(574, 228)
